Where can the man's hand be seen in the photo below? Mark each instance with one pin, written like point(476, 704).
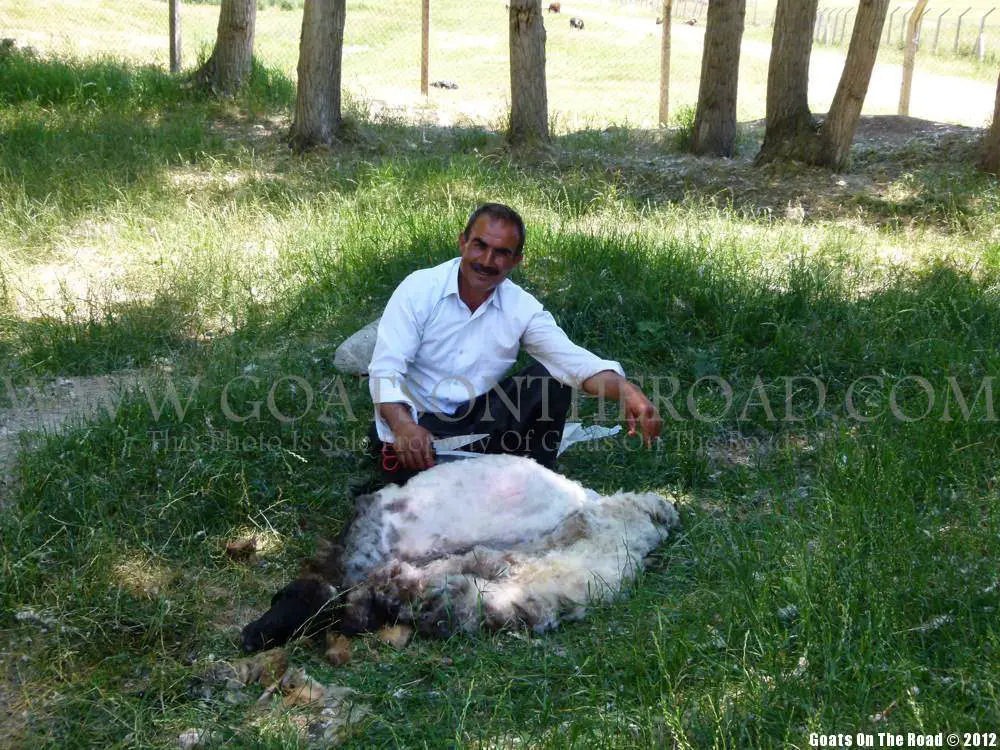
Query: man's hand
point(414, 446)
point(640, 411)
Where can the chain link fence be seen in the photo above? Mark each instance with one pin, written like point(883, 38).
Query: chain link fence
point(956, 30)
point(602, 56)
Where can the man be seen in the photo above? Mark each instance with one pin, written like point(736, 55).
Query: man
point(449, 333)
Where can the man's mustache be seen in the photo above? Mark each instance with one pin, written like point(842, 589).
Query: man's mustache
point(484, 270)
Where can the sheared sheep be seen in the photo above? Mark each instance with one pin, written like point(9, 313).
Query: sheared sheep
point(576, 23)
point(491, 542)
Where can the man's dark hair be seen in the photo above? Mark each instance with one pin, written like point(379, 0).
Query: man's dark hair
point(500, 212)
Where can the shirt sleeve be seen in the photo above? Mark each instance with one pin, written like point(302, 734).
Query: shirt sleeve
point(568, 363)
point(396, 344)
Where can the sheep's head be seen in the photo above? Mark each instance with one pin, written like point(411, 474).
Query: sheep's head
point(304, 607)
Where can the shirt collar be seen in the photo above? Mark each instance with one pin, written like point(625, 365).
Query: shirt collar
point(451, 285)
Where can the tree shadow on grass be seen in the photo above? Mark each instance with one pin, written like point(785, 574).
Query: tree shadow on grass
point(123, 335)
point(80, 135)
point(84, 134)
point(905, 171)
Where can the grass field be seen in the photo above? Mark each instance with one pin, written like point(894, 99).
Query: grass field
point(835, 573)
point(607, 74)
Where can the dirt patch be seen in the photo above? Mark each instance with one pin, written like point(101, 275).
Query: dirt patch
point(46, 407)
point(886, 148)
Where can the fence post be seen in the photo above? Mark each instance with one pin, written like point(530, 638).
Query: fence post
point(902, 29)
point(981, 42)
point(755, 3)
point(425, 45)
point(892, 17)
point(174, 9)
point(819, 23)
point(958, 27)
point(937, 30)
point(843, 26)
point(665, 12)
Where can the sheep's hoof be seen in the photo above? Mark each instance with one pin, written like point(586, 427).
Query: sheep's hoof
point(338, 649)
point(396, 636)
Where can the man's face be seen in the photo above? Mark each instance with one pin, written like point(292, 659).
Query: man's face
point(489, 254)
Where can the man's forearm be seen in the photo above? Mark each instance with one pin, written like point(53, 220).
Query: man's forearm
point(606, 384)
point(396, 415)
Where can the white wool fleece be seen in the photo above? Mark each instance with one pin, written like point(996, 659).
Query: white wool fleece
point(499, 541)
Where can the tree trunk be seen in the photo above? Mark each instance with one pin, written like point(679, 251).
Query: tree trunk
point(317, 101)
point(529, 109)
point(715, 117)
point(789, 131)
point(665, 64)
point(837, 133)
point(232, 59)
point(991, 155)
point(910, 55)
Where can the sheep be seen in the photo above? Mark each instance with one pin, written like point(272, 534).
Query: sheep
point(492, 542)
point(576, 23)
point(554, 7)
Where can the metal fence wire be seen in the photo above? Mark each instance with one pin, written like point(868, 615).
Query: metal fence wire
point(602, 56)
point(958, 30)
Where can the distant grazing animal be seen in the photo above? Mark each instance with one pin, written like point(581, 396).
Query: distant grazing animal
point(576, 23)
point(691, 22)
point(492, 542)
point(659, 20)
point(554, 7)
point(444, 84)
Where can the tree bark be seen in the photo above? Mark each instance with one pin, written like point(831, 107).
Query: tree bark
point(529, 109)
point(789, 131)
point(232, 59)
point(991, 154)
point(665, 64)
point(910, 55)
point(837, 133)
point(317, 101)
point(715, 116)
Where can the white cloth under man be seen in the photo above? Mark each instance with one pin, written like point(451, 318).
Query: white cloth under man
point(434, 355)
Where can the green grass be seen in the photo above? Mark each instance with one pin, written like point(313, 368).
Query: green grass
point(216, 262)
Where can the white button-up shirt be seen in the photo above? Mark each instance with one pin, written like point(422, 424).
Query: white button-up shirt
point(433, 354)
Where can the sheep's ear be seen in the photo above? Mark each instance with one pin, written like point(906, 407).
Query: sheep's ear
point(323, 548)
point(363, 501)
point(327, 565)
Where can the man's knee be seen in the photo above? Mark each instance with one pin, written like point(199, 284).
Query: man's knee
point(552, 397)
